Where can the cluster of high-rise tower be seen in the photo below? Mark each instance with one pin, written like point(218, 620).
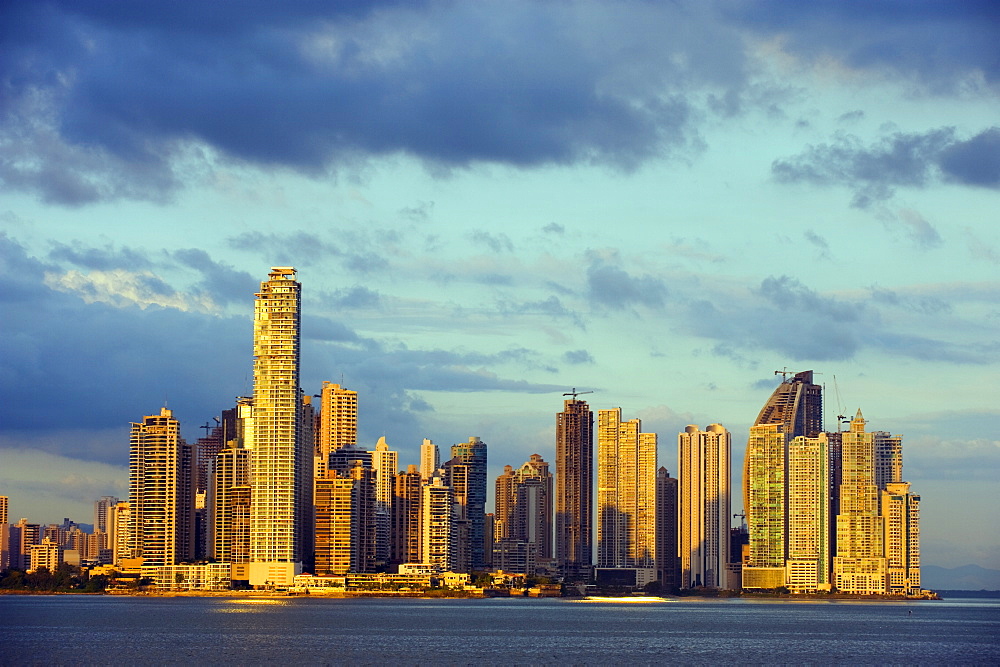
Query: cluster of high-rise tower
point(279, 486)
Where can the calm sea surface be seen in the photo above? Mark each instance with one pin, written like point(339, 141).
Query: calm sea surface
point(124, 630)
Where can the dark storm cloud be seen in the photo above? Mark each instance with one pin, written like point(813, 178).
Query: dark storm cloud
point(615, 288)
point(940, 42)
point(898, 160)
point(102, 98)
point(110, 365)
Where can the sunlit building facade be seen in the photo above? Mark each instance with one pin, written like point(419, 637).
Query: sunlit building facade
point(808, 561)
point(766, 507)
point(859, 565)
point(626, 493)
point(278, 497)
point(705, 505)
point(161, 492)
point(901, 517)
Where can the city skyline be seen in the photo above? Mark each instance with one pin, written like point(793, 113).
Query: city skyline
point(492, 203)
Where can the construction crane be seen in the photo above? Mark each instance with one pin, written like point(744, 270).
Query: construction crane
point(576, 393)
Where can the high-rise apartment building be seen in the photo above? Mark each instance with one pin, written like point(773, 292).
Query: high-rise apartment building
point(901, 517)
point(438, 538)
point(102, 508)
point(338, 419)
point(278, 497)
point(523, 518)
point(797, 404)
point(229, 490)
point(808, 525)
point(705, 507)
point(888, 459)
point(465, 474)
point(161, 492)
point(4, 534)
point(574, 495)
point(430, 459)
point(626, 494)
point(766, 507)
point(385, 464)
point(667, 561)
point(407, 516)
point(859, 565)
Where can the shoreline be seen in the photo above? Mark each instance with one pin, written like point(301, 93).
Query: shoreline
point(479, 595)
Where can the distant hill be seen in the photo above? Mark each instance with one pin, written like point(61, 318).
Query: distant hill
point(965, 578)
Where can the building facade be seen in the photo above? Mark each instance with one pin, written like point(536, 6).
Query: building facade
point(667, 561)
point(161, 492)
point(626, 493)
point(278, 497)
point(705, 505)
point(574, 495)
point(808, 562)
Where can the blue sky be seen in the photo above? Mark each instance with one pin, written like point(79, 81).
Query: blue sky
point(491, 203)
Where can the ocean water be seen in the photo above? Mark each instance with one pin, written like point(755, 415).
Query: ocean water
point(73, 629)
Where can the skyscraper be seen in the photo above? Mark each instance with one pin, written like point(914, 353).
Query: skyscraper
point(626, 494)
point(385, 464)
point(766, 506)
point(901, 516)
point(667, 562)
point(859, 565)
point(277, 498)
point(161, 492)
point(888, 459)
point(795, 408)
point(523, 519)
point(797, 404)
point(574, 481)
point(808, 561)
point(704, 465)
point(430, 459)
point(338, 419)
point(465, 473)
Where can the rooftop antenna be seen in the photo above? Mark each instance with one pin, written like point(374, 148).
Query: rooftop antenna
point(576, 393)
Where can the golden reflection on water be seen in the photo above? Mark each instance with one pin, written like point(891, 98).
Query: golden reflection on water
point(247, 605)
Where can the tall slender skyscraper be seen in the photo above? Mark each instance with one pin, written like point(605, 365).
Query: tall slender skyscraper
point(795, 408)
point(574, 481)
point(278, 497)
point(808, 562)
point(860, 565)
point(161, 492)
point(901, 515)
point(667, 562)
point(704, 475)
point(626, 494)
point(766, 506)
point(385, 464)
point(465, 473)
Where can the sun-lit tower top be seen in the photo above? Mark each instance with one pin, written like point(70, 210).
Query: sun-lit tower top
point(338, 414)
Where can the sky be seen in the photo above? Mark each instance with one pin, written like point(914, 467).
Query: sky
point(490, 204)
